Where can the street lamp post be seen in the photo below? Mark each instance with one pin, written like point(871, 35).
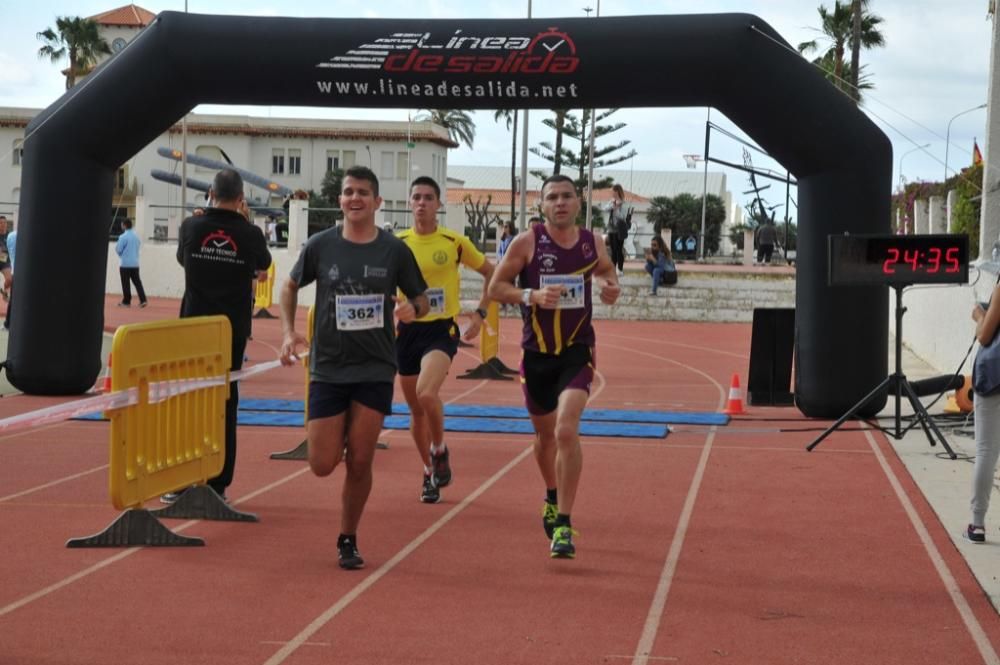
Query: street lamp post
point(902, 180)
point(947, 135)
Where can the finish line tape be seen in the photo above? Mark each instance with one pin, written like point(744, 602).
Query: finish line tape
point(159, 391)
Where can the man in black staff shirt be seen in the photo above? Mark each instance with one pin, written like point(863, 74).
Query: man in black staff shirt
point(221, 253)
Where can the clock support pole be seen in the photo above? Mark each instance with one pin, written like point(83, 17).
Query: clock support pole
point(898, 383)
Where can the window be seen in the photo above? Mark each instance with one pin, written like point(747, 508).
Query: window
point(294, 161)
point(403, 166)
point(348, 159)
point(434, 168)
point(332, 160)
point(18, 152)
point(121, 178)
point(277, 160)
point(387, 170)
point(208, 152)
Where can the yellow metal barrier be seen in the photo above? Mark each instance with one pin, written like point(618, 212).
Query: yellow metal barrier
point(264, 291)
point(301, 451)
point(489, 334)
point(179, 442)
point(489, 348)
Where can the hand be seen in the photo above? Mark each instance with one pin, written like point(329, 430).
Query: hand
point(261, 276)
point(290, 345)
point(547, 298)
point(405, 312)
point(610, 292)
point(475, 324)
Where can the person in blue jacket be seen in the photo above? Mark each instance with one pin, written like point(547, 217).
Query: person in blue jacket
point(127, 249)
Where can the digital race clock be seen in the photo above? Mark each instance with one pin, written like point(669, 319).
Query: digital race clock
point(896, 260)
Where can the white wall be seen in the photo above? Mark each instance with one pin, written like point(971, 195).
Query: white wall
point(163, 277)
point(938, 325)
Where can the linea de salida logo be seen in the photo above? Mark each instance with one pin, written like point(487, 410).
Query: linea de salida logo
point(548, 52)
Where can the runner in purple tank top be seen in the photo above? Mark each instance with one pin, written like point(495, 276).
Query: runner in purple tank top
point(555, 264)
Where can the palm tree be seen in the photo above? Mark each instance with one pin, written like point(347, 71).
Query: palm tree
point(460, 125)
point(76, 37)
point(838, 27)
point(856, 15)
point(510, 117)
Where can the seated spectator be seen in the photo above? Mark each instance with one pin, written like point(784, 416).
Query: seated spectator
point(658, 263)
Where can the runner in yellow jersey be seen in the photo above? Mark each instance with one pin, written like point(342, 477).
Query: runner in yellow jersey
point(425, 347)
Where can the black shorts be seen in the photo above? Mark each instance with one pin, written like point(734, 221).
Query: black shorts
point(415, 340)
point(544, 376)
point(331, 399)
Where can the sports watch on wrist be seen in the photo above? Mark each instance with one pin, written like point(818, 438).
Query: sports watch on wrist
point(526, 296)
point(481, 312)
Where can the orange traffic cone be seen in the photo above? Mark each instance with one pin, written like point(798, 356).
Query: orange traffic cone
point(735, 405)
point(106, 383)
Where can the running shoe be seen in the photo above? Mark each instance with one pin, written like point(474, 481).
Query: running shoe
point(975, 534)
point(549, 513)
point(562, 543)
point(442, 470)
point(430, 492)
point(347, 553)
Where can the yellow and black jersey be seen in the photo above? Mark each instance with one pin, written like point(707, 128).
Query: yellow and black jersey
point(439, 255)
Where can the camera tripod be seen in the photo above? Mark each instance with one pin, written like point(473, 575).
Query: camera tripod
point(897, 382)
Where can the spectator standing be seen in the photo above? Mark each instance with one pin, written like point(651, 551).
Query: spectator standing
point(619, 223)
point(11, 248)
point(127, 249)
point(987, 427)
point(767, 237)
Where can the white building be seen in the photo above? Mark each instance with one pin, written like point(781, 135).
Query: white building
point(293, 152)
point(481, 182)
point(296, 153)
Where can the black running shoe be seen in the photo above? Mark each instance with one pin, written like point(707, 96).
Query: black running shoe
point(550, 512)
point(430, 492)
point(347, 552)
point(442, 470)
point(975, 534)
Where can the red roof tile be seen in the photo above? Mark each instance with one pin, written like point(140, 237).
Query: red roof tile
point(315, 132)
point(130, 15)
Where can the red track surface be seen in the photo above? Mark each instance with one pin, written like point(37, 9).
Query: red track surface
point(714, 545)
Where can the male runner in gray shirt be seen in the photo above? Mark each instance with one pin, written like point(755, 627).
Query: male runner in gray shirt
point(357, 268)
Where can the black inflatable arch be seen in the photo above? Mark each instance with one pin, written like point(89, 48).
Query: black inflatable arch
point(733, 62)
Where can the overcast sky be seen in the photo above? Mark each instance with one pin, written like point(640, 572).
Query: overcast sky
point(935, 65)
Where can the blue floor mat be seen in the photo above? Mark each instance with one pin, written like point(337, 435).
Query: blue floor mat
point(458, 424)
point(479, 411)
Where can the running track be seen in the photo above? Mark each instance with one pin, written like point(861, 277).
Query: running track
point(714, 545)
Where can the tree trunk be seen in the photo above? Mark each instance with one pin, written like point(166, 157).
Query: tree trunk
point(838, 65)
point(71, 76)
point(513, 164)
point(855, 49)
point(557, 162)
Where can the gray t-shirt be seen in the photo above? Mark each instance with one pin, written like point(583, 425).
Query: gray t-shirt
point(355, 284)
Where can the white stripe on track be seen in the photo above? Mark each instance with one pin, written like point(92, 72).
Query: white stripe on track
point(972, 624)
point(52, 588)
point(52, 484)
point(319, 622)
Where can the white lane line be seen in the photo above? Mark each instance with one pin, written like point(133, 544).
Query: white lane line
point(649, 630)
point(319, 622)
point(52, 588)
point(299, 640)
point(53, 483)
point(975, 629)
point(655, 614)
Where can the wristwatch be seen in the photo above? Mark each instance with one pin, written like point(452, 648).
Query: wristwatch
point(481, 312)
point(526, 296)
